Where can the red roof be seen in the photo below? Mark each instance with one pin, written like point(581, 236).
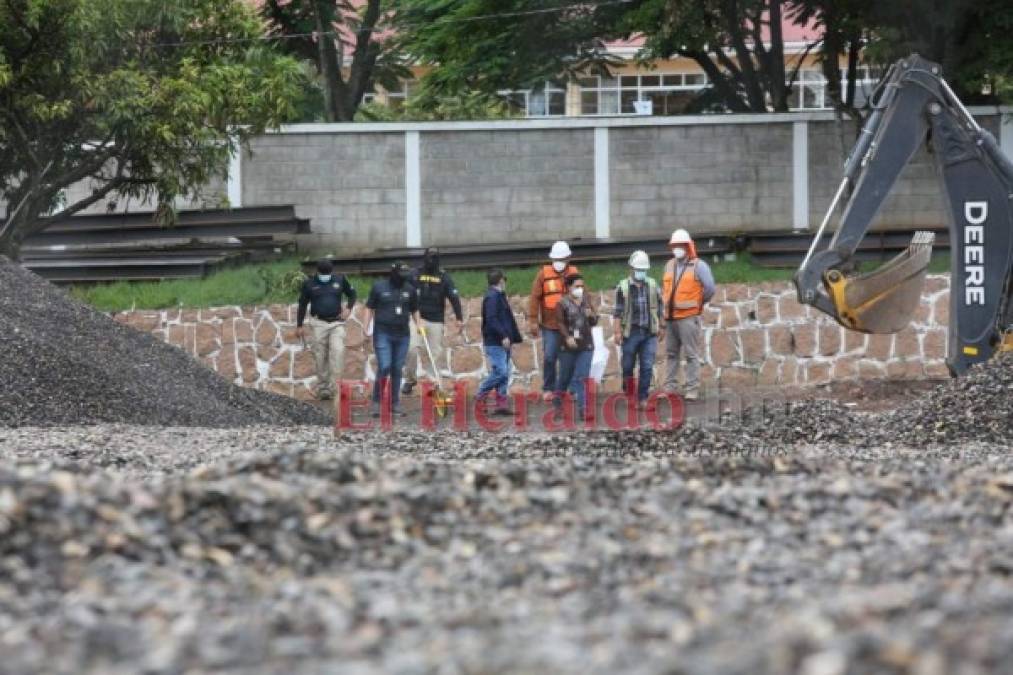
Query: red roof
point(790, 32)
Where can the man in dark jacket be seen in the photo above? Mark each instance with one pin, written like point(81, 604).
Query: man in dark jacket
point(322, 295)
point(435, 289)
point(575, 317)
point(392, 305)
point(499, 333)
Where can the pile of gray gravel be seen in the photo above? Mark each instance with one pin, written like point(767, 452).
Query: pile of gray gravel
point(414, 553)
point(975, 407)
point(62, 363)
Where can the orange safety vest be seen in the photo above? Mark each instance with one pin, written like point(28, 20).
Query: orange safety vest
point(685, 299)
point(553, 285)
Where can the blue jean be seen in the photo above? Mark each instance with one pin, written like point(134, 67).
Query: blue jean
point(551, 342)
point(643, 346)
point(574, 369)
point(499, 371)
point(391, 352)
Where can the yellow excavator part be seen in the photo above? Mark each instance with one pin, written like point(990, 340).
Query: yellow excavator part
point(1007, 342)
point(884, 300)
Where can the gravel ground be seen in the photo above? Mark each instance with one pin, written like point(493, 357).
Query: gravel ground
point(711, 550)
point(808, 539)
point(64, 363)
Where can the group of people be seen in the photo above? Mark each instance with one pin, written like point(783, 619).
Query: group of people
point(406, 311)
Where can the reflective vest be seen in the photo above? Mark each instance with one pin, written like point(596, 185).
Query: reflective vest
point(683, 297)
point(650, 286)
point(553, 286)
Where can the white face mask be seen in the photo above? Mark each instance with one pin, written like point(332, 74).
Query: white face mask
point(324, 278)
point(639, 275)
point(577, 292)
point(679, 253)
point(559, 265)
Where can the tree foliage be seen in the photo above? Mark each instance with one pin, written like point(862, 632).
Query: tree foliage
point(142, 98)
point(490, 44)
point(322, 31)
point(504, 44)
point(426, 107)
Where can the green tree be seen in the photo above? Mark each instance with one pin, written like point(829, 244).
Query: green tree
point(425, 106)
point(322, 31)
point(142, 98)
point(497, 44)
point(845, 26)
point(969, 38)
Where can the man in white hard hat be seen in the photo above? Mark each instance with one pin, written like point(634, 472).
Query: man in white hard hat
point(639, 317)
point(546, 292)
point(687, 286)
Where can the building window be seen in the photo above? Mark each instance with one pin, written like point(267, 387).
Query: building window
point(810, 91)
point(396, 98)
point(517, 101)
point(548, 101)
point(599, 95)
point(669, 93)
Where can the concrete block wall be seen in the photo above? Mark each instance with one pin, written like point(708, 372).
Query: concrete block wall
point(713, 177)
point(916, 199)
point(367, 186)
point(508, 185)
point(351, 186)
point(370, 186)
point(754, 335)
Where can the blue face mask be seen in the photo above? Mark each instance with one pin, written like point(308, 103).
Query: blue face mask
point(639, 275)
point(324, 278)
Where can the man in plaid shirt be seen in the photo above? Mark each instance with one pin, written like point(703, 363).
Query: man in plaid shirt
point(638, 313)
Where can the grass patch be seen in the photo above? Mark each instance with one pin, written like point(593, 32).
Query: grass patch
point(279, 282)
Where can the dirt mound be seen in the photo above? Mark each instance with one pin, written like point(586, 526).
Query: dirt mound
point(63, 363)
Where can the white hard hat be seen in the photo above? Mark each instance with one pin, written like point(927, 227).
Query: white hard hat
point(680, 236)
point(560, 251)
point(640, 261)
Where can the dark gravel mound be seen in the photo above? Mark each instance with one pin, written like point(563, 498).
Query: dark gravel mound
point(975, 407)
point(62, 363)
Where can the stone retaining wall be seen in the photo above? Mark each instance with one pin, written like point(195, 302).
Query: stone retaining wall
point(753, 335)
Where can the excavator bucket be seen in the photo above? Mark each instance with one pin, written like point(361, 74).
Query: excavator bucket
point(884, 300)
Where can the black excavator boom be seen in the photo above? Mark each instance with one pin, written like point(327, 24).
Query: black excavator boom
point(913, 106)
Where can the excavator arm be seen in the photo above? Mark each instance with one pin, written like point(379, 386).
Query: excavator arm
point(914, 105)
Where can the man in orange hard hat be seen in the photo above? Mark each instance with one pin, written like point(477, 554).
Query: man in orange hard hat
point(687, 286)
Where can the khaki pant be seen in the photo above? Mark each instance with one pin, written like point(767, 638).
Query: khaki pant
point(417, 351)
point(328, 346)
point(682, 339)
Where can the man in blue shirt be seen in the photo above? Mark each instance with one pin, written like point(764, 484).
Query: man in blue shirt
point(499, 334)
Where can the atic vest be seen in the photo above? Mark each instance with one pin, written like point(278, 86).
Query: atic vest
point(432, 295)
point(685, 299)
point(652, 305)
point(553, 286)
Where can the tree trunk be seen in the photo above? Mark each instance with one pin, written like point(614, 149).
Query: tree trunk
point(15, 230)
point(714, 75)
point(779, 89)
point(327, 55)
